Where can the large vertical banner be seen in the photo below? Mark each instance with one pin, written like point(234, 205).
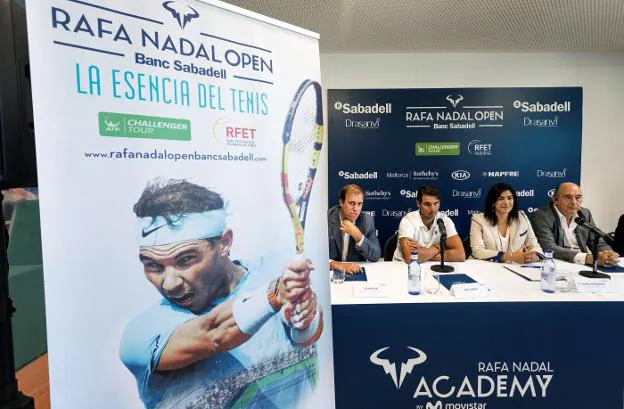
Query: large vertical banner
point(183, 232)
point(463, 140)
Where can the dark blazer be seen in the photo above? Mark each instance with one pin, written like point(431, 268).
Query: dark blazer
point(547, 228)
point(368, 251)
point(619, 237)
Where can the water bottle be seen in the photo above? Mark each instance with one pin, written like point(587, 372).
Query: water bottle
point(549, 272)
point(413, 275)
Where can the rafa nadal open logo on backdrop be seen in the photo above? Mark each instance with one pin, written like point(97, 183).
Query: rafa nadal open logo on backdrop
point(390, 367)
point(183, 13)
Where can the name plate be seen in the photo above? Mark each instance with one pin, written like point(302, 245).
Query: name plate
point(593, 285)
point(372, 291)
point(469, 290)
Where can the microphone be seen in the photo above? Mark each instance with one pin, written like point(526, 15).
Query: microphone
point(581, 221)
point(441, 227)
point(441, 268)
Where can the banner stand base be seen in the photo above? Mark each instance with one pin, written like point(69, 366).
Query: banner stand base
point(21, 402)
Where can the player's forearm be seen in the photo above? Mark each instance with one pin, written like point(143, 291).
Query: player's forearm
point(200, 338)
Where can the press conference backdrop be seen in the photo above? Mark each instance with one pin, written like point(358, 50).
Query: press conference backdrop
point(463, 140)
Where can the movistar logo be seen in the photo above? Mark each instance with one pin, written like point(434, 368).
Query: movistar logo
point(390, 367)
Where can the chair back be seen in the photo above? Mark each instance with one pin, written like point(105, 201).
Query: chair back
point(390, 246)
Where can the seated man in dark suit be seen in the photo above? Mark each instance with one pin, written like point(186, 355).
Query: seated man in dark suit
point(352, 234)
point(619, 237)
point(556, 229)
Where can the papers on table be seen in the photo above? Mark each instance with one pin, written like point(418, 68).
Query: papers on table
point(447, 280)
point(380, 290)
point(530, 272)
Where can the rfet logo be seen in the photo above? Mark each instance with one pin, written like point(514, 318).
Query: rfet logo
point(230, 133)
point(390, 367)
point(478, 148)
point(182, 12)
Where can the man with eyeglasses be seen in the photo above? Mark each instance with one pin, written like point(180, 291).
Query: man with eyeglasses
point(556, 229)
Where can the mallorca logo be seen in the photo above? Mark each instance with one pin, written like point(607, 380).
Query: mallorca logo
point(183, 13)
point(390, 367)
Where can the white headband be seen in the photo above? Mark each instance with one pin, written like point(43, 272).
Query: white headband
point(188, 226)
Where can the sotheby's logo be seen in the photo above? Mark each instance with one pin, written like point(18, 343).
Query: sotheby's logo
point(183, 13)
point(390, 367)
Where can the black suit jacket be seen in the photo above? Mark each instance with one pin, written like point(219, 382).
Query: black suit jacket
point(619, 237)
point(368, 251)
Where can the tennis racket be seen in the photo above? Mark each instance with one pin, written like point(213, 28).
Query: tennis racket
point(303, 139)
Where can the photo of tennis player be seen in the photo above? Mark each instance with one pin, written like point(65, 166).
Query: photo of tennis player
point(226, 333)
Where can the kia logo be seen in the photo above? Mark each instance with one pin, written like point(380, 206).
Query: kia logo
point(460, 175)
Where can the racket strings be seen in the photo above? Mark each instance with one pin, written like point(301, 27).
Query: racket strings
point(302, 147)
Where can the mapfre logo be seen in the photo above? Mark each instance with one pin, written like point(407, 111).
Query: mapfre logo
point(230, 133)
point(390, 368)
point(460, 174)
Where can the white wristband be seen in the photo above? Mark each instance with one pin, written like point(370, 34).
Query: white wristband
point(252, 309)
point(302, 336)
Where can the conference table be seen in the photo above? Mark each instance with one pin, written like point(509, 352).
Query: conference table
point(513, 347)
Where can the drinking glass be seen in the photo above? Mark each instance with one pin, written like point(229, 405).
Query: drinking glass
point(338, 275)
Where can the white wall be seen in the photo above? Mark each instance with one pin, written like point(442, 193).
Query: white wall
point(601, 74)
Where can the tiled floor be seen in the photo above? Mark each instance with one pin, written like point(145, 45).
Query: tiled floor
point(33, 381)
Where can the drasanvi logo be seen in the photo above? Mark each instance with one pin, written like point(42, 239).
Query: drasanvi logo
point(467, 194)
point(377, 108)
point(390, 367)
point(373, 124)
point(538, 106)
point(182, 12)
point(551, 192)
point(478, 148)
point(460, 174)
point(454, 99)
point(551, 173)
point(541, 122)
